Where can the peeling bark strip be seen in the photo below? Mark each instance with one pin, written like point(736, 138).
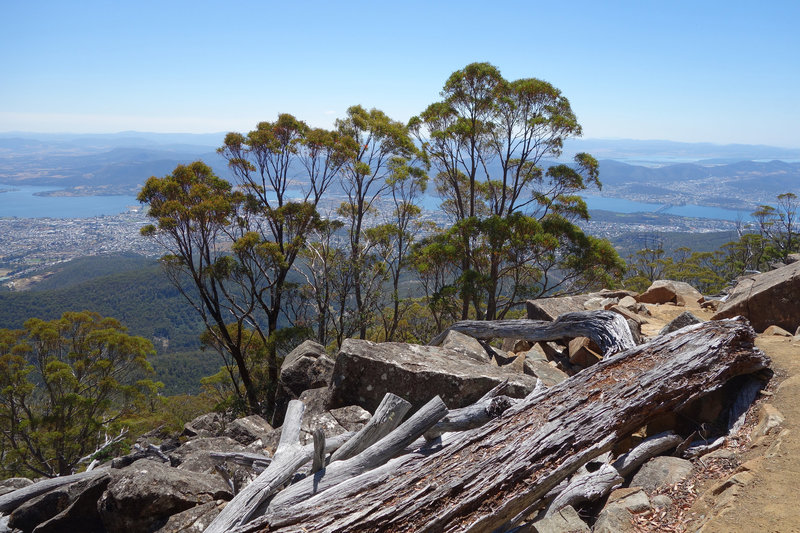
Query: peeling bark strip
point(609, 330)
point(485, 477)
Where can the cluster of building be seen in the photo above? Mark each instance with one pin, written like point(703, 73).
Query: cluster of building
point(27, 244)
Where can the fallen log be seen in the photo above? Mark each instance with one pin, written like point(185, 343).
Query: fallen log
point(12, 500)
point(289, 456)
point(371, 458)
point(490, 406)
point(246, 459)
point(487, 476)
point(609, 330)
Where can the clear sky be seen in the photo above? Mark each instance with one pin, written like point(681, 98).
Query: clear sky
point(715, 71)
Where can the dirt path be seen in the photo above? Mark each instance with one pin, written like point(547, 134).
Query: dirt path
point(769, 501)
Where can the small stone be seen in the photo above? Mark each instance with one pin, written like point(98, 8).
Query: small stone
point(681, 321)
point(777, 331)
point(769, 419)
point(564, 521)
point(660, 472)
point(661, 501)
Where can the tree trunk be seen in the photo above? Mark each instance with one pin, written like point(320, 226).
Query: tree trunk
point(485, 478)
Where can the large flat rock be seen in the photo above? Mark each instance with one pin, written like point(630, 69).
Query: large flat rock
point(365, 371)
point(766, 299)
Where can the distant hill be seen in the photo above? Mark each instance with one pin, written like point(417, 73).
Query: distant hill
point(740, 185)
point(672, 151)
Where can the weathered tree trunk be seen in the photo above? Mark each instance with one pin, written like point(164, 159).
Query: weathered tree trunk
point(655, 445)
point(486, 477)
point(12, 500)
point(609, 330)
point(491, 405)
point(586, 487)
point(387, 416)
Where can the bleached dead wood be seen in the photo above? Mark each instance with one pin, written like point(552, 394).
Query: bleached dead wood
point(586, 487)
point(485, 477)
point(647, 449)
point(374, 456)
point(609, 330)
point(107, 442)
point(491, 405)
point(387, 416)
point(140, 452)
point(12, 500)
point(703, 447)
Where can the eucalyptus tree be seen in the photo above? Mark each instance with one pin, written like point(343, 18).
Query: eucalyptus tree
point(513, 234)
point(238, 246)
point(779, 227)
point(65, 386)
point(379, 146)
point(396, 236)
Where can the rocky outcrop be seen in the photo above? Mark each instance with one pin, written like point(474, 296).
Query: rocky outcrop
point(81, 514)
point(142, 496)
point(365, 371)
point(552, 308)
point(247, 430)
point(766, 299)
point(465, 345)
point(306, 367)
point(207, 425)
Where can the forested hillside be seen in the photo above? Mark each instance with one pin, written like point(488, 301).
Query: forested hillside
point(134, 290)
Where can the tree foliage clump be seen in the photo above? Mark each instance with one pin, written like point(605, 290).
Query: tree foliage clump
point(513, 233)
point(65, 385)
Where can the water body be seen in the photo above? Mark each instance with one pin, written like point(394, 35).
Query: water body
point(619, 205)
point(21, 201)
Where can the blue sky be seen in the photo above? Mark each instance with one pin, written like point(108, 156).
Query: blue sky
point(712, 71)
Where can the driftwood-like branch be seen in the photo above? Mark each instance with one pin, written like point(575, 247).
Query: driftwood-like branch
point(586, 487)
point(487, 476)
point(471, 416)
point(107, 441)
point(609, 330)
point(140, 452)
point(648, 448)
point(12, 500)
point(374, 456)
point(387, 416)
point(700, 448)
